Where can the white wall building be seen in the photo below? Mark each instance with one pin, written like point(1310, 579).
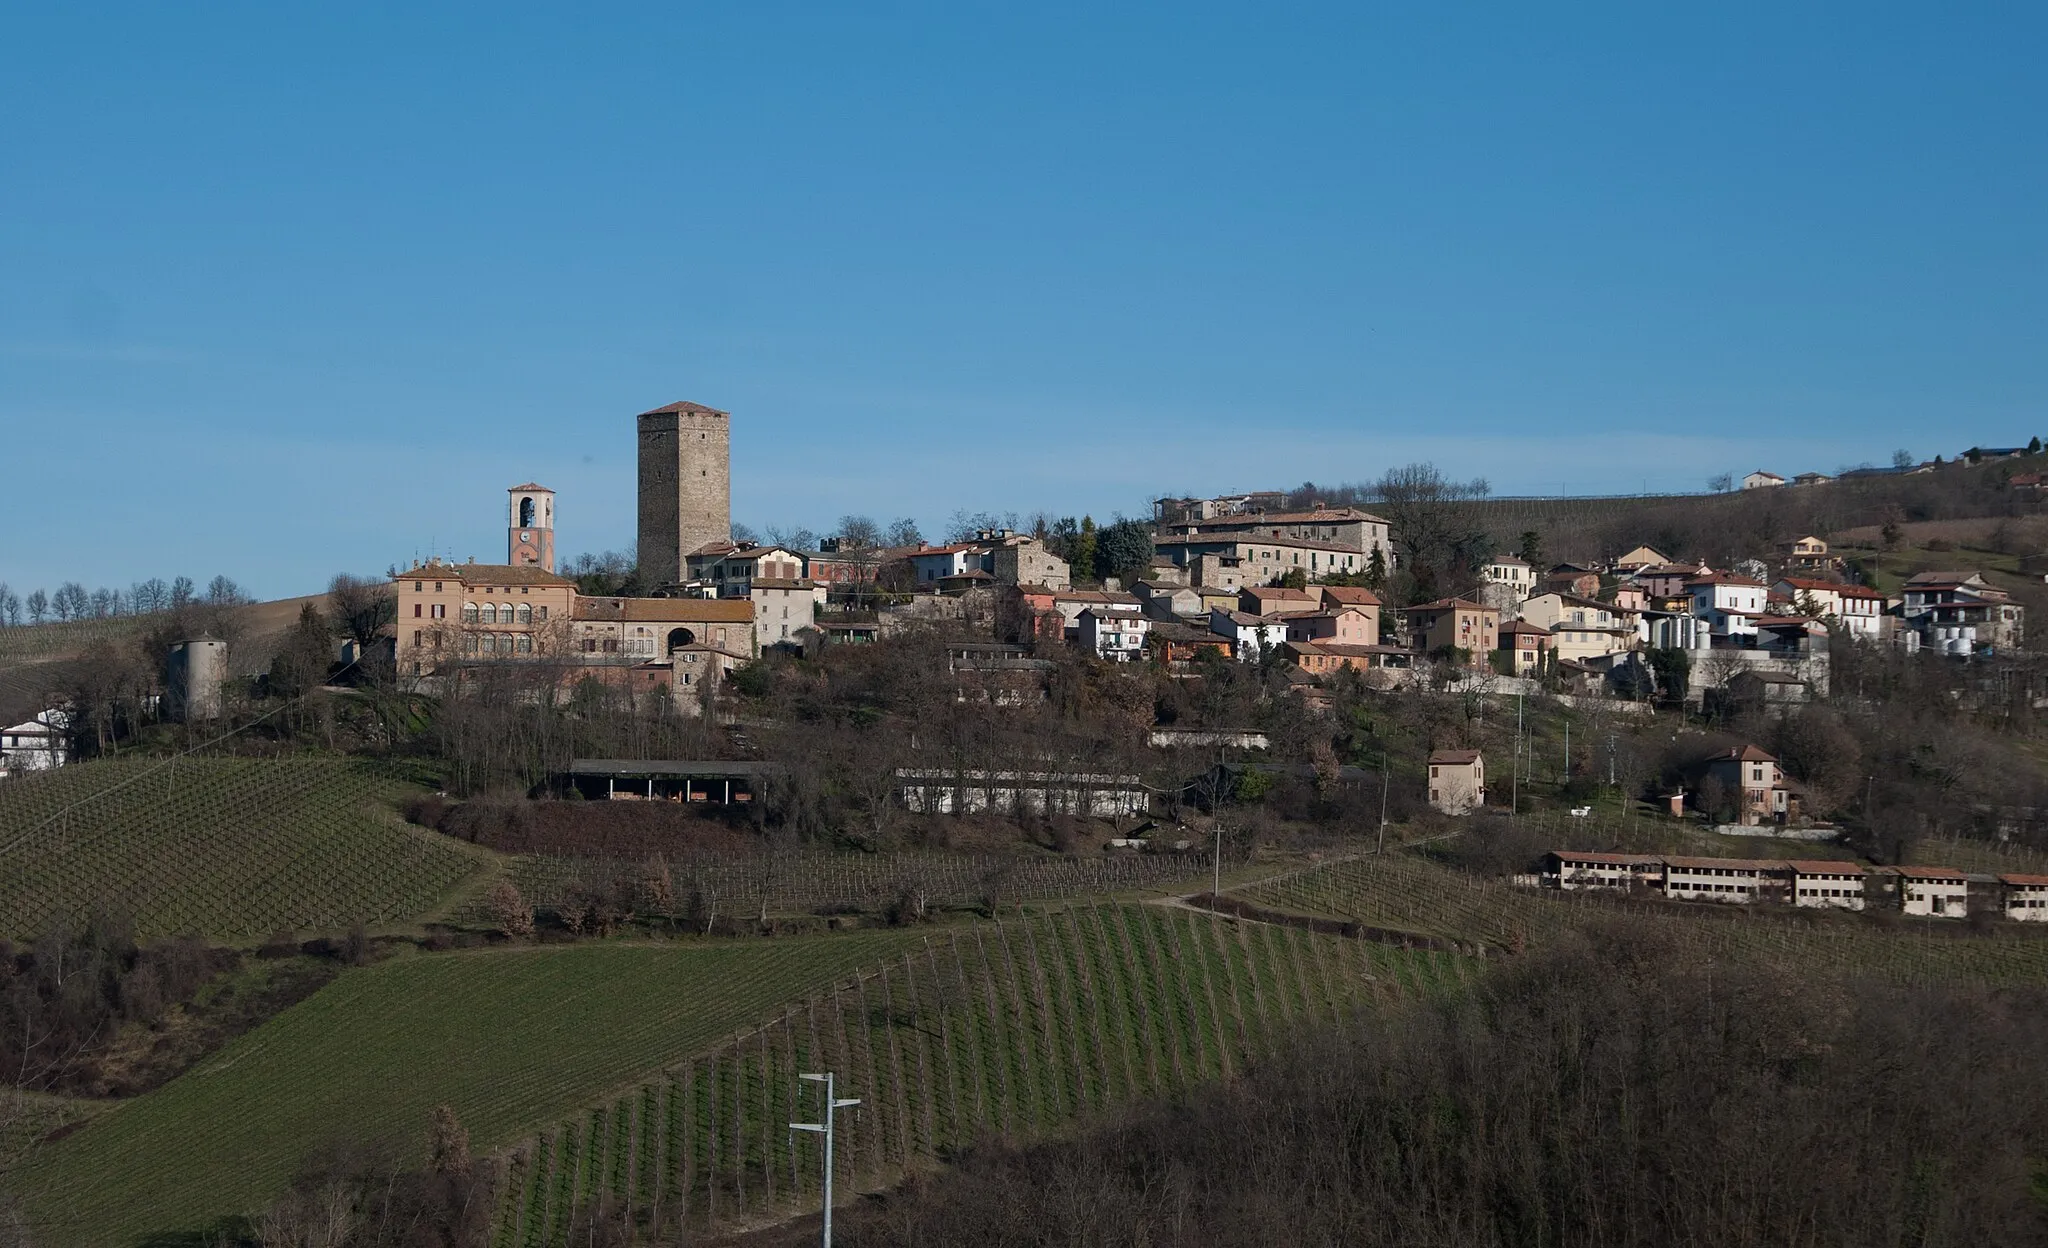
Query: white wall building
point(1858, 609)
point(2026, 898)
point(1731, 605)
point(1937, 892)
point(37, 744)
point(1118, 636)
point(1251, 636)
point(942, 792)
point(1571, 870)
point(1716, 879)
point(1827, 885)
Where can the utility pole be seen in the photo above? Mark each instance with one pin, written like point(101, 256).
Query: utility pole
point(1381, 848)
point(1567, 750)
point(832, 1107)
point(1216, 886)
point(1515, 768)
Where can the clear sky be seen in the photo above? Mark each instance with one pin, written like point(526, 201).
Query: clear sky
point(291, 289)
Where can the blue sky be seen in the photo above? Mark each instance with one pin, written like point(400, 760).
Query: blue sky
point(287, 290)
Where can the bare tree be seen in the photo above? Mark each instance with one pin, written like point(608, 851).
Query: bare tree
point(361, 608)
point(1432, 529)
point(859, 533)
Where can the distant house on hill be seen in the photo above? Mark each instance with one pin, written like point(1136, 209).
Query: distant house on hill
point(1812, 478)
point(1761, 480)
point(1457, 781)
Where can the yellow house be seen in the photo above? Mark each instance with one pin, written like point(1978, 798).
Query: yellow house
point(1582, 628)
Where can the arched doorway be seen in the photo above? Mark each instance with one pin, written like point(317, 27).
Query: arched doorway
point(680, 637)
point(526, 513)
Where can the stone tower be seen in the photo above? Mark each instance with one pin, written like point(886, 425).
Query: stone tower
point(685, 486)
point(530, 530)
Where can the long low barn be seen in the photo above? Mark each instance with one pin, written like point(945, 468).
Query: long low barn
point(1823, 884)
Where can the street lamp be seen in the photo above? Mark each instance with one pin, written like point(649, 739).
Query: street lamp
point(832, 1107)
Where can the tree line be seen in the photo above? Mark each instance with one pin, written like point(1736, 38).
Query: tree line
point(73, 601)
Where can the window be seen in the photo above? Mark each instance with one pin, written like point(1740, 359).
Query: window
point(440, 611)
point(469, 614)
point(526, 613)
point(415, 637)
point(543, 611)
point(418, 587)
point(416, 610)
point(525, 643)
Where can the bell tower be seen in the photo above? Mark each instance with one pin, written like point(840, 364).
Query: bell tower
point(530, 534)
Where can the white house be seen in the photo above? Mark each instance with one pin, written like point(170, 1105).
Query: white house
point(1760, 480)
point(1504, 582)
point(2026, 898)
point(1731, 605)
point(1827, 885)
point(1938, 892)
point(1857, 608)
point(1072, 602)
point(938, 563)
point(1118, 636)
point(38, 744)
point(1251, 636)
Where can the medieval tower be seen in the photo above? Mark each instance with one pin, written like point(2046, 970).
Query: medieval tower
point(685, 487)
point(530, 527)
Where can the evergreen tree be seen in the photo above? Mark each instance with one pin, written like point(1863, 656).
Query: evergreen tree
point(1081, 556)
point(1530, 549)
point(1376, 570)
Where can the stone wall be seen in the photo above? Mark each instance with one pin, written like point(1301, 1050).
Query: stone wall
point(685, 488)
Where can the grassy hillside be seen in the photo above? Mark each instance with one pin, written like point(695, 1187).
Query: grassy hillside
point(513, 1039)
point(222, 847)
point(1018, 1028)
point(826, 882)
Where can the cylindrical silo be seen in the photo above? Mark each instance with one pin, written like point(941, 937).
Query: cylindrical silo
point(193, 683)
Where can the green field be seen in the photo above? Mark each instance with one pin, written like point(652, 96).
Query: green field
point(1020, 1028)
point(227, 848)
point(514, 1039)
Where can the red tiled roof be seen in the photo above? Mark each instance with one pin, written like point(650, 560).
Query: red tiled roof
point(529, 487)
point(1816, 866)
point(1618, 860)
point(2025, 881)
point(1453, 758)
point(1351, 595)
point(1739, 864)
point(1931, 873)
